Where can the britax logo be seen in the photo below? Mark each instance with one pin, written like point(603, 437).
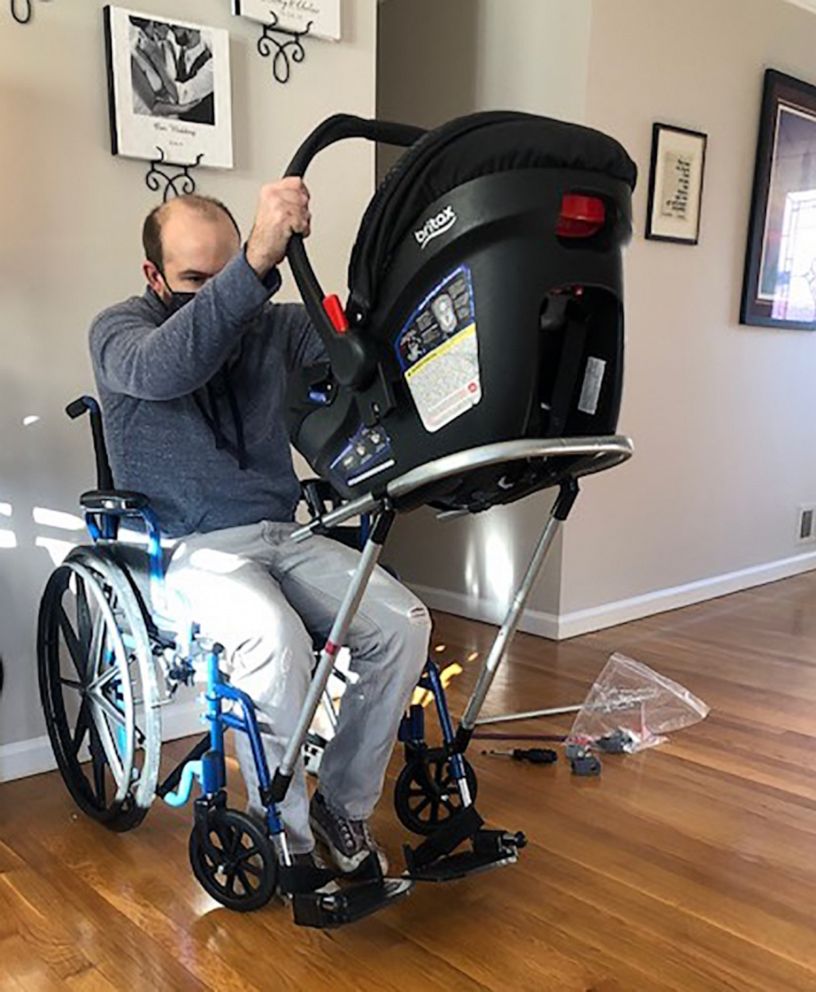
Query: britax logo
point(435, 226)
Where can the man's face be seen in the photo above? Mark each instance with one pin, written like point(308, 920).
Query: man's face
point(195, 247)
point(187, 37)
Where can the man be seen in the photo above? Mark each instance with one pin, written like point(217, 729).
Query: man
point(195, 80)
point(192, 377)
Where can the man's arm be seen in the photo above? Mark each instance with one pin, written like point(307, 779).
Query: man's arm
point(182, 354)
point(200, 86)
point(304, 346)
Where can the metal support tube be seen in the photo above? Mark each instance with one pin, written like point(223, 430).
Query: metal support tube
point(348, 609)
point(530, 715)
point(214, 770)
point(358, 507)
point(511, 621)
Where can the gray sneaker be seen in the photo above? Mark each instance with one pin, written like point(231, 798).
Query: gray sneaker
point(349, 842)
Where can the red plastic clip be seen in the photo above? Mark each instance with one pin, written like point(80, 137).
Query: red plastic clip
point(336, 313)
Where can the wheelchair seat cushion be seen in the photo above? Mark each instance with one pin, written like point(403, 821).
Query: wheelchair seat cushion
point(462, 150)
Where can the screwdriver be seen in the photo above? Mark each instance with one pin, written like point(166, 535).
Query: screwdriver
point(535, 755)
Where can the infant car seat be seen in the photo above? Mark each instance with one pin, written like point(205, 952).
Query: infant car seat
point(485, 305)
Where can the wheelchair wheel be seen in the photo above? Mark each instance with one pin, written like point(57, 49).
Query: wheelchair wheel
point(234, 861)
point(426, 794)
point(99, 689)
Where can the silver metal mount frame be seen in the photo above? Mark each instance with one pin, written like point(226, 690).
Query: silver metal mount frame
point(592, 454)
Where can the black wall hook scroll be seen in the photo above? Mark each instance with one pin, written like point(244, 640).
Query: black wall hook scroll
point(22, 11)
point(179, 183)
point(284, 45)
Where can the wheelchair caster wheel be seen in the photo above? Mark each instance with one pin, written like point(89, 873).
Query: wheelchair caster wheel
point(426, 795)
point(233, 860)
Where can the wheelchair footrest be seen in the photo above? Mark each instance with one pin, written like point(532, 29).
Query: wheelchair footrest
point(490, 849)
point(329, 910)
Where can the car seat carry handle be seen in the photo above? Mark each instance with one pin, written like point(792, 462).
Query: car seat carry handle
point(343, 126)
point(351, 361)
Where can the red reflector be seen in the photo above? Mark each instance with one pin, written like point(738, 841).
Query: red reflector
point(581, 216)
point(336, 313)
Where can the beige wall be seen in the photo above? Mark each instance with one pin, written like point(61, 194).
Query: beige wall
point(70, 217)
point(723, 416)
point(480, 55)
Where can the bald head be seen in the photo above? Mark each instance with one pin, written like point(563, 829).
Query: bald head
point(186, 241)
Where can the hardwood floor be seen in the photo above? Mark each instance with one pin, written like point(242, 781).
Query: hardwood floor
point(688, 868)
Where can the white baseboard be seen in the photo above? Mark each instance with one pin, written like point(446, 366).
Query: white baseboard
point(488, 611)
point(24, 758)
point(573, 624)
point(34, 756)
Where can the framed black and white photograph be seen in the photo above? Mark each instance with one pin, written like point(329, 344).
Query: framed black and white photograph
point(676, 184)
point(169, 89)
point(779, 286)
point(320, 17)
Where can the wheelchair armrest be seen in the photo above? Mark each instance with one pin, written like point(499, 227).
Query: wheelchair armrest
point(112, 501)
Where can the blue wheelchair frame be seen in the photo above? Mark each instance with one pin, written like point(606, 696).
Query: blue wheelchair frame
point(209, 768)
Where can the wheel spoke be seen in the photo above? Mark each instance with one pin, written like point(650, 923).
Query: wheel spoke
point(102, 680)
point(83, 617)
point(112, 711)
point(72, 641)
point(244, 881)
point(423, 805)
point(435, 811)
point(234, 842)
point(98, 762)
point(81, 726)
point(253, 869)
point(72, 684)
point(108, 744)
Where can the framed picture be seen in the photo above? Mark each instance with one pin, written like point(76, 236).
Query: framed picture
point(676, 184)
point(779, 286)
point(168, 89)
point(294, 15)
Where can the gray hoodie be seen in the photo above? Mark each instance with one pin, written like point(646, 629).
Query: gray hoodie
point(192, 401)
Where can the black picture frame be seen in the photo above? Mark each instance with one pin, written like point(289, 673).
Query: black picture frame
point(148, 72)
point(783, 200)
point(676, 175)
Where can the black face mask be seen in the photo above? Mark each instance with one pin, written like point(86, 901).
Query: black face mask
point(177, 300)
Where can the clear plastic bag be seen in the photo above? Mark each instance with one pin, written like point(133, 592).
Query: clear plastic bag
point(631, 707)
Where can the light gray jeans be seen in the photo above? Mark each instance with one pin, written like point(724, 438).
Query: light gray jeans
point(262, 596)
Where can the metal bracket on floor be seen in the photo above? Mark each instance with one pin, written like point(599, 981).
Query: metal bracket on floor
point(284, 45)
point(180, 183)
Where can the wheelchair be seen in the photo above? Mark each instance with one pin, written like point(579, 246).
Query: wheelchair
point(439, 346)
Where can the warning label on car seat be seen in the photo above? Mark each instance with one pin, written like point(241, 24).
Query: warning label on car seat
point(438, 350)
